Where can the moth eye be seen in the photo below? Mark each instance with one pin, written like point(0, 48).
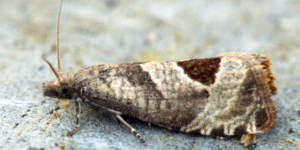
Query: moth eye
point(65, 91)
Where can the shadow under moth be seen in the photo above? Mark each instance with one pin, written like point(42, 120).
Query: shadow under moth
point(227, 95)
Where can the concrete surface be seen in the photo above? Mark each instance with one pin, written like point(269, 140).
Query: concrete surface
point(118, 31)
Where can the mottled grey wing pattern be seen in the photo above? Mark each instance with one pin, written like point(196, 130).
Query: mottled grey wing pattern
point(225, 95)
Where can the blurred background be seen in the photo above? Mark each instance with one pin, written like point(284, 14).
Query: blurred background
point(120, 31)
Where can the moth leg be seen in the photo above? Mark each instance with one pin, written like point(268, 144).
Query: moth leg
point(78, 113)
point(248, 139)
point(116, 115)
point(131, 129)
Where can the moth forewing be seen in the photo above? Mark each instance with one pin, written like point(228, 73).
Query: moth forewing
point(222, 96)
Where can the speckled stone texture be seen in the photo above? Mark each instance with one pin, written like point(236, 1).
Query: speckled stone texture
point(112, 31)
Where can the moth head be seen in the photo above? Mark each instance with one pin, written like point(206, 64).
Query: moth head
point(59, 89)
point(62, 87)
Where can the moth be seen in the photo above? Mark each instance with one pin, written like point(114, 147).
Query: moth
point(227, 95)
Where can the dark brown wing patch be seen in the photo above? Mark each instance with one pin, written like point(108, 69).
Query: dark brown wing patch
point(201, 70)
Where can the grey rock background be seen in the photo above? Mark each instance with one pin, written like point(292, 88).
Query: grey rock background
point(119, 31)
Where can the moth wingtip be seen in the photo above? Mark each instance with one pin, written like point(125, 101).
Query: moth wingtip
point(269, 78)
point(266, 116)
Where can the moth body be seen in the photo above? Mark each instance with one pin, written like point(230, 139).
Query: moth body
point(222, 96)
point(225, 95)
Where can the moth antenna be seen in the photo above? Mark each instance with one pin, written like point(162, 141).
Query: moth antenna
point(58, 37)
point(53, 70)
